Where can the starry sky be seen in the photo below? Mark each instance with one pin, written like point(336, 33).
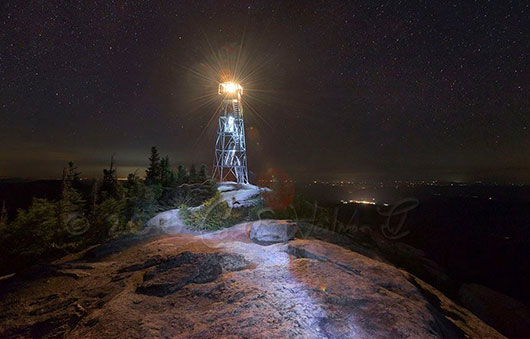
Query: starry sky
point(333, 89)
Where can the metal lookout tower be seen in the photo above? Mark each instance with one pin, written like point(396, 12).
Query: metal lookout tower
point(230, 163)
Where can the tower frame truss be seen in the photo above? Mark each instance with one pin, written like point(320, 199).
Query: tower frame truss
point(230, 162)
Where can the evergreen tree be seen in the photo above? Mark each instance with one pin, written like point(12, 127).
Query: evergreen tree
point(73, 175)
point(35, 231)
point(202, 173)
point(93, 198)
point(193, 174)
point(153, 172)
point(70, 211)
point(166, 176)
point(110, 183)
point(140, 200)
point(182, 175)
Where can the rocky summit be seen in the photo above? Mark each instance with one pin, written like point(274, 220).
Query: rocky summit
point(224, 285)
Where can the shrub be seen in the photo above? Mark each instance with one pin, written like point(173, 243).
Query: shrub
point(33, 236)
point(260, 211)
point(34, 231)
point(108, 220)
point(299, 209)
point(140, 200)
point(189, 194)
point(214, 214)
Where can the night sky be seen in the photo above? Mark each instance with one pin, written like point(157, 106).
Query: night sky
point(334, 89)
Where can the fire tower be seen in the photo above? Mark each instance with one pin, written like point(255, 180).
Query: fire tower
point(230, 162)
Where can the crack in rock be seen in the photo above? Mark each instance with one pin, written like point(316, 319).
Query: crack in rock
point(303, 253)
point(173, 273)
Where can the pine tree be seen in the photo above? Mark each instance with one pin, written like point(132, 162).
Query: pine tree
point(110, 182)
point(70, 219)
point(73, 175)
point(202, 173)
point(153, 172)
point(193, 174)
point(60, 205)
point(140, 202)
point(93, 198)
point(182, 175)
point(165, 172)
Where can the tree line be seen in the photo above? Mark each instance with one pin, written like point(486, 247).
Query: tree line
point(93, 211)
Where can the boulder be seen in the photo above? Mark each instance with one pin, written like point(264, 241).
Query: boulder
point(507, 315)
point(272, 231)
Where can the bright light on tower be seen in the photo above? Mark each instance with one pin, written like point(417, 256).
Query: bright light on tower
point(230, 87)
